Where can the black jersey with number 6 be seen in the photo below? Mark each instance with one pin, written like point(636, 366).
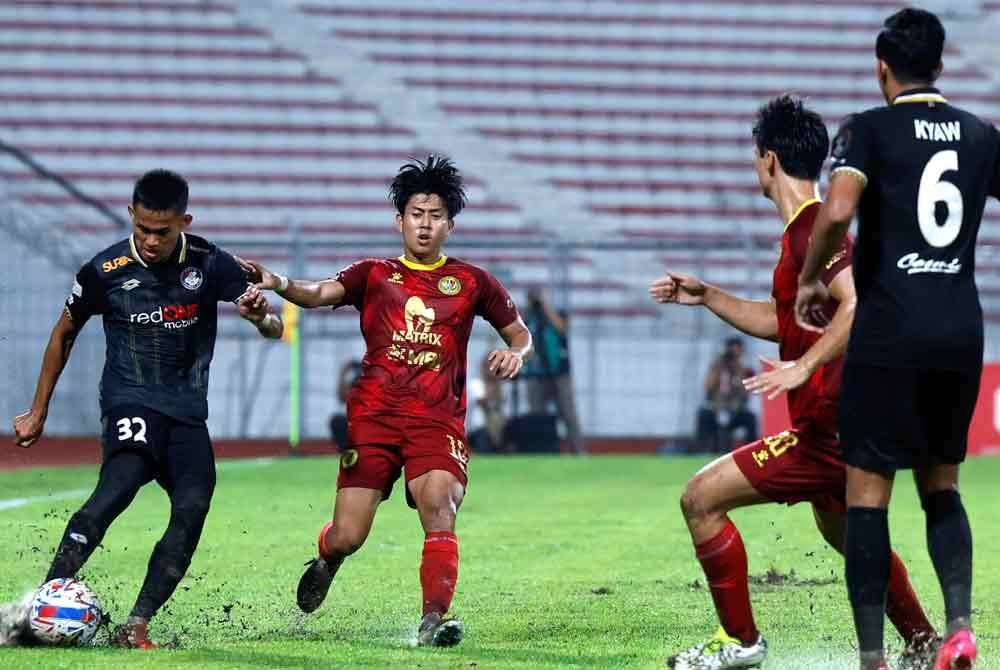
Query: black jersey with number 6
point(928, 168)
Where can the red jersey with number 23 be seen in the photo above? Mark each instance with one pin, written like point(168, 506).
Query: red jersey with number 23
point(812, 406)
point(416, 321)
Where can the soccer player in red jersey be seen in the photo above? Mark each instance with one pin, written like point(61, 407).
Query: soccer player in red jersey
point(407, 410)
point(803, 463)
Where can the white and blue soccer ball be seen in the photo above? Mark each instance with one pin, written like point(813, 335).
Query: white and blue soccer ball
point(64, 612)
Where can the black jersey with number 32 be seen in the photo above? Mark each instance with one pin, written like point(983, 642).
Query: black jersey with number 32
point(159, 322)
point(928, 168)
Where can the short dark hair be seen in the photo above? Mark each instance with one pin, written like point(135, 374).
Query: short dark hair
point(161, 191)
point(438, 175)
point(911, 43)
point(795, 133)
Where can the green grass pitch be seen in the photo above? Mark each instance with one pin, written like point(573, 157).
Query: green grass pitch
point(565, 563)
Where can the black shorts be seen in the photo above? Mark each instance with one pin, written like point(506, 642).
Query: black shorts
point(903, 418)
point(177, 450)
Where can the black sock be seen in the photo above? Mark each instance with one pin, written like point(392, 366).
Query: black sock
point(122, 476)
point(81, 537)
point(949, 542)
point(868, 556)
point(170, 559)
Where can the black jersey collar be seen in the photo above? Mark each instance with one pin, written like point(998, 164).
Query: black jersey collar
point(181, 257)
point(920, 94)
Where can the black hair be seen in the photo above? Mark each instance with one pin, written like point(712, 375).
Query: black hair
point(795, 133)
point(438, 175)
point(911, 43)
point(161, 191)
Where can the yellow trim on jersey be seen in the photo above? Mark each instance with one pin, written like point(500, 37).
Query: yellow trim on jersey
point(810, 201)
point(853, 171)
point(138, 257)
point(135, 252)
point(421, 266)
point(920, 97)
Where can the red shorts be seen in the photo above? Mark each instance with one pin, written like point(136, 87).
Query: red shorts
point(796, 466)
point(381, 447)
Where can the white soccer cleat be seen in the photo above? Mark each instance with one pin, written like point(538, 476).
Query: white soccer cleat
point(719, 653)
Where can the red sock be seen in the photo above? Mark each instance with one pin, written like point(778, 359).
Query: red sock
point(902, 605)
point(321, 540)
point(439, 571)
point(724, 560)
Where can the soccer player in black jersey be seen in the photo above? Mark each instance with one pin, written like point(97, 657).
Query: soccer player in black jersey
point(917, 172)
point(158, 293)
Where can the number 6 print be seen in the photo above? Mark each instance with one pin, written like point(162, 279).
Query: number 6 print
point(933, 190)
point(125, 429)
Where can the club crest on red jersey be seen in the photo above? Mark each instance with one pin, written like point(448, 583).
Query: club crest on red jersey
point(349, 459)
point(449, 285)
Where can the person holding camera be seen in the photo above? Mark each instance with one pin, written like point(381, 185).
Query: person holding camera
point(725, 409)
point(548, 373)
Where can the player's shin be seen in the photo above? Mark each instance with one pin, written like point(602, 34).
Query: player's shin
point(170, 559)
point(724, 560)
point(83, 534)
point(867, 555)
point(949, 542)
point(439, 571)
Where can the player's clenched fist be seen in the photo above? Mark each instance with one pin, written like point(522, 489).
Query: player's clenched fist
point(28, 428)
point(505, 363)
point(675, 287)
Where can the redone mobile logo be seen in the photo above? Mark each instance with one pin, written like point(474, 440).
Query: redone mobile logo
point(171, 316)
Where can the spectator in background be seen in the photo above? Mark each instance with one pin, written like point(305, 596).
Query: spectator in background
point(726, 399)
point(548, 373)
point(349, 373)
point(486, 416)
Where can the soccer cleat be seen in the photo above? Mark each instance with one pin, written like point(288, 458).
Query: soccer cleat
point(719, 653)
point(314, 585)
point(958, 652)
point(436, 631)
point(133, 636)
point(919, 654)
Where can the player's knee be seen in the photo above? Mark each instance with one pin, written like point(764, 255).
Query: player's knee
point(344, 540)
point(192, 502)
point(438, 514)
point(694, 502)
point(186, 521)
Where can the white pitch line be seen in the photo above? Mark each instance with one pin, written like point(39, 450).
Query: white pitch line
point(14, 503)
point(240, 463)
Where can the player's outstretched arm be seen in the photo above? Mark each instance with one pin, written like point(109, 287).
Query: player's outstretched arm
point(754, 317)
point(507, 363)
point(254, 308)
point(28, 426)
point(787, 375)
point(304, 293)
point(832, 222)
